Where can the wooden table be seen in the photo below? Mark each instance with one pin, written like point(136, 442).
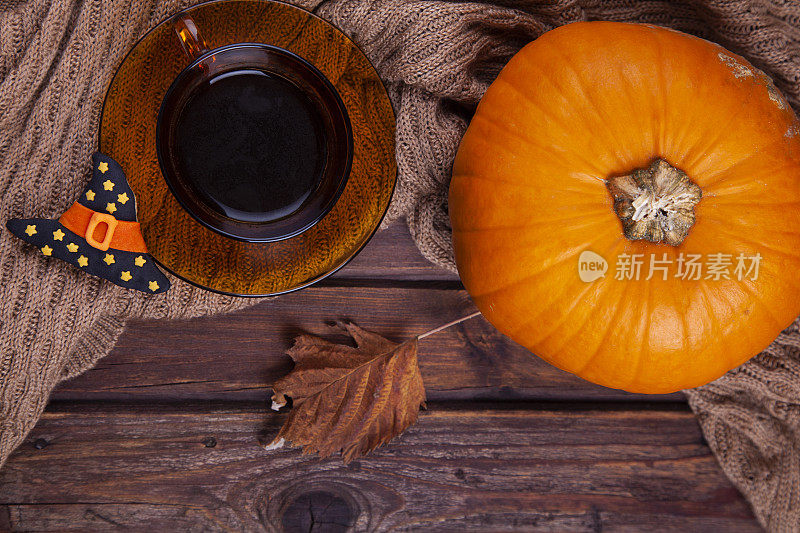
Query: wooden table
point(163, 434)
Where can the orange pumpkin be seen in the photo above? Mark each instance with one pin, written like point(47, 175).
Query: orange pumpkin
point(645, 149)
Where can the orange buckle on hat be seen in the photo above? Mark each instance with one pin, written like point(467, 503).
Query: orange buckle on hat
point(123, 235)
point(111, 225)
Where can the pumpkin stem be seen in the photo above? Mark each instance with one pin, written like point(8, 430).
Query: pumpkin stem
point(655, 203)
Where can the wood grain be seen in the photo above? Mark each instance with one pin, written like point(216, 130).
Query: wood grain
point(238, 357)
point(184, 457)
point(392, 255)
point(463, 467)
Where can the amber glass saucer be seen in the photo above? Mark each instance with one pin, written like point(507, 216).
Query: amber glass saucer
point(204, 257)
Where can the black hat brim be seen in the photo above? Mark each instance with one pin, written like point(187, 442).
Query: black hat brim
point(114, 265)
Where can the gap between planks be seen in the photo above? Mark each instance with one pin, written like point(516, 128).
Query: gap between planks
point(466, 467)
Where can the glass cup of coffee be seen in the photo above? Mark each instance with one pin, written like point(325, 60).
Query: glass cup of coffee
point(252, 140)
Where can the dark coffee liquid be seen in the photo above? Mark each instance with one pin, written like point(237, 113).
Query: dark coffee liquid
point(252, 144)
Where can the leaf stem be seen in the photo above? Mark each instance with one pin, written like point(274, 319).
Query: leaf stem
point(453, 323)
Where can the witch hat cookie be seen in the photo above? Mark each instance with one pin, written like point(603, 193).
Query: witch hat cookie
point(99, 234)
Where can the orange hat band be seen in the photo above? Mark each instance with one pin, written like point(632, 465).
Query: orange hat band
point(103, 231)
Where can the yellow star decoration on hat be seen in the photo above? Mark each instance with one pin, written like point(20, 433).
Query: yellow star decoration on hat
point(108, 185)
point(109, 259)
point(90, 195)
point(31, 230)
point(58, 235)
point(46, 250)
point(126, 275)
point(83, 261)
point(102, 167)
point(139, 261)
point(72, 247)
point(153, 286)
point(111, 207)
point(123, 198)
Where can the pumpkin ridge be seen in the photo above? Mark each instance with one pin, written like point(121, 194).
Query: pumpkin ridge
point(561, 190)
point(703, 153)
point(741, 188)
point(739, 219)
point(711, 318)
point(529, 276)
point(744, 331)
point(565, 315)
point(543, 311)
point(758, 244)
point(733, 187)
point(758, 299)
point(662, 92)
point(718, 177)
point(552, 154)
point(656, 145)
point(772, 274)
point(509, 229)
point(791, 280)
point(580, 83)
point(711, 321)
point(711, 61)
point(644, 340)
point(609, 328)
point(500, 124)
point(747, 204)
point(672, 289)
point(600, 213)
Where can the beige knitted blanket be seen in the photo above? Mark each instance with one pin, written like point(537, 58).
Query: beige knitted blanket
point(437, 57)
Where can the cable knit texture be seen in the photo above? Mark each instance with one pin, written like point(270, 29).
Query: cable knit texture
point(57, 58)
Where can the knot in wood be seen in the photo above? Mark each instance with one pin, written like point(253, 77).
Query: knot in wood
point(318, 511)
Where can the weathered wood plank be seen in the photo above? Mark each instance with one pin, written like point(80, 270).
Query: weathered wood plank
point(237, 357)
point(391, 254)
point(460, 468)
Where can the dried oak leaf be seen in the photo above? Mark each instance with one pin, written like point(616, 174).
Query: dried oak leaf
point(347, 398)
